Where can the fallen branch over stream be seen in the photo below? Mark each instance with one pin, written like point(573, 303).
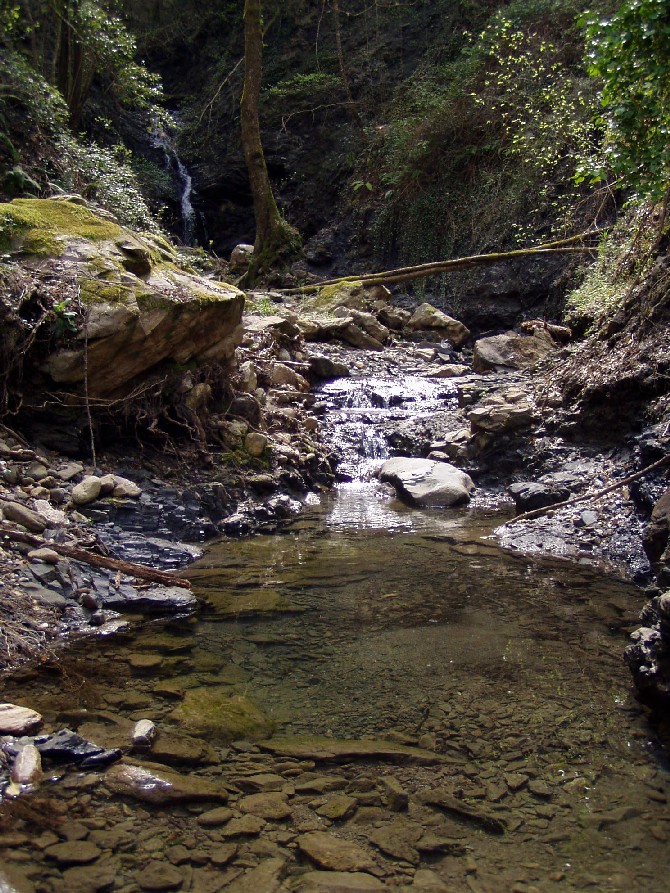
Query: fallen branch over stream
point(139, 571)
point(588, 497)
point(407, 274)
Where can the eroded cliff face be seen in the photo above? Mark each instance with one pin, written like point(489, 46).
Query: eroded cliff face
point(97, 309)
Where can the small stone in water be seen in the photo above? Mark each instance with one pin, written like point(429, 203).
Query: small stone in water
point(159, 876)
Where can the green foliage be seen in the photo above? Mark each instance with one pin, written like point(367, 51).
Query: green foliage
point(106, 176)
point(630, 52)
point(480, 151)
point(304, 86)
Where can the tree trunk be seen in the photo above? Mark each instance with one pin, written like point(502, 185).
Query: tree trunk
point(275, 239)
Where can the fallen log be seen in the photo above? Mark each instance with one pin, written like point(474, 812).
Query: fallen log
point(406, 274)
point(139, 571)
point(588, 497)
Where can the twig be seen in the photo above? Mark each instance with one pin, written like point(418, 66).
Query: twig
point(141, 571)
point(536, 513)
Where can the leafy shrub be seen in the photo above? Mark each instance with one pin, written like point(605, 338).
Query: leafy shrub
point(630, 52)
point(106, 177)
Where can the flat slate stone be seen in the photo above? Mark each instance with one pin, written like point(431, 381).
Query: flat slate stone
point(157, 600)
point(458, 809)
point(73, 852)
point(159, 876)
point(270, 806)
point(340, 751)
point(265, 878)
point(333, 853)
point(338, 882)
point(159, 786)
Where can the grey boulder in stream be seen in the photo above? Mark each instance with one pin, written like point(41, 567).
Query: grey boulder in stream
point(427, 483)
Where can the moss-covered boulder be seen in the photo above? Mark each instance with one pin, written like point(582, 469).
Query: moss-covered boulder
point(130, 307)
point(212, 712)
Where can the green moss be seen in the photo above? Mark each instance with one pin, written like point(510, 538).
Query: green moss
point(150, 301)
point(43, 226)
point(95, 291)
point(211, 712)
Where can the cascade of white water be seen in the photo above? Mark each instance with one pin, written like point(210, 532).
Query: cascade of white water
point(173, 163)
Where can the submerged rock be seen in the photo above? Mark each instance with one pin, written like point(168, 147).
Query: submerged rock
point(340, 750)
point(214, 713)
point(160, 786)
point(426, 483)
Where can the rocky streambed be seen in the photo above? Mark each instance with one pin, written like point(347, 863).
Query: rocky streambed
point(372, 693)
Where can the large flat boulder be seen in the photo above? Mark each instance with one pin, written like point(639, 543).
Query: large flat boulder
point(127, 305)
point(426, 483)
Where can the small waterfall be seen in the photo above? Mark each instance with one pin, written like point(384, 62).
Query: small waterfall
point(184, 181)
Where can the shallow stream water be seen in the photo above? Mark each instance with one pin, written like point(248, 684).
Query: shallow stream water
point(367, 619)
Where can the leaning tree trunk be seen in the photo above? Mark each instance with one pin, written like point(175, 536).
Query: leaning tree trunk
point(275, 238)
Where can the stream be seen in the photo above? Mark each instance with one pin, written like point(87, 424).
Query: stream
point(365, 619)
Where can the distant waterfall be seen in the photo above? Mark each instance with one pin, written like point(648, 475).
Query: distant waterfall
point(184, 181)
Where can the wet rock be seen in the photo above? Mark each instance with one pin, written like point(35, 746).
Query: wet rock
point(21, 514)
point(87, 490)
point(12, 880)
point(261, 783)
point(223, 854)
point(511, 351)
point(73, 852)
point(90, 879)
point(214, 818)
point(182, 750)
point(399, 840)
point(395, 795)
point(247, 826)
point(340, 751)
point(27, 767)
point(211, 712)
point(338, 808)
point(333, 853)
point(271, 806)
point(458, 809)
point(159, 876)
point(428, 317)
point(15, 720)
point(265, 878)
point(426, 483)
point(427, 881)
point(157, 600)
point(321, 784)
point(143, 733)
point(160, 786)
point(648, 658)
point(338, 882)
